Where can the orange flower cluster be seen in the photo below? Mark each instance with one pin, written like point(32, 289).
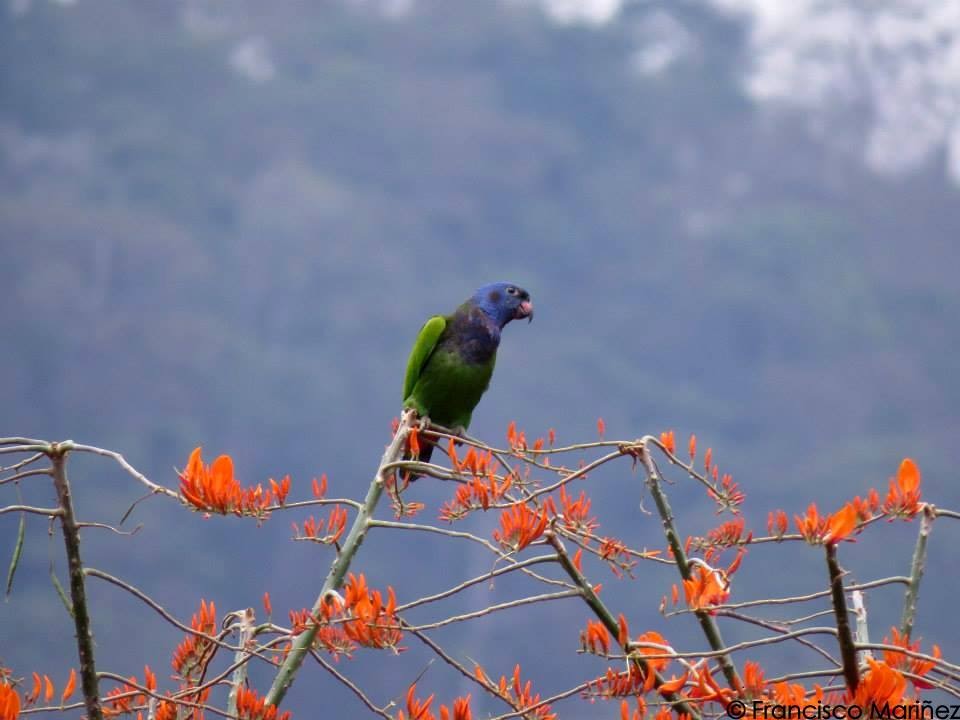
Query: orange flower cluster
point(361, 620)
point(669, 441)
point(43, 689)
point(754, 683)
point(828, 530)
point(904, 663)
point(420, 709)
point(375, 625)
point(618, 557)
point(595, 639)
point(9, 702)
point(192, 655)
point(706, 689)
point(214, 489)
point(777, 523)
point(478, 492)
point(706, 588)
point(327, 531)
point(626, 683)
point(639, 679)
point(320, 488)
point(477, 464)
point(516, 439)
point(879, 685)
point(127, 697)
point(726, 493)
point(519, 696)
point(903, 497)
point(251, 706)
point(576, 513)
point(729, 534)
point(331, 638)
point(520, 526)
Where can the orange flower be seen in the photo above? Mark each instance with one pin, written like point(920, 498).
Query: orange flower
point(251, 706)
point(520, 526)
point(478, 493)
point(320, 488)
point(375, 624)
point(576, 514)
point(754, 684)
point(727, 493)
point(280, 490)
point(70, 687)
point(777, 523)
point(654, 638)
point(461, 710)
point(192, 655)
point(905, 663)
point(729, 534)
point(518, 695)
point(267, 605)
point(620, 684)
point(214, 489)
point(708, 459)
point(595, 639)
point(551, 436)
point(668, 441)
point(413, 443)
point(705, 588)
point(903, 497)
point(692, 446)
point(673, 685)
point(880, 684)
point(601, 428)
point(828, 530)
point(706, 688)
point(326, 532)
point(9, 703)
point(517, 440)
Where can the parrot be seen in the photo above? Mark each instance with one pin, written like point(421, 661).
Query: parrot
point(452, 359)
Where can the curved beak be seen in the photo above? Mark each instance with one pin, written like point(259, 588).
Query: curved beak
point(525, 310)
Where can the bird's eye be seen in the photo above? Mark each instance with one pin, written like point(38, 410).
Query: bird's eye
point(511, 290)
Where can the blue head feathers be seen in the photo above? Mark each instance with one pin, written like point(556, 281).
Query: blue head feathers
point(503, 302)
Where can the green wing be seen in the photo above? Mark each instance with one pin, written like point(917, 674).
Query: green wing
point(422, 349)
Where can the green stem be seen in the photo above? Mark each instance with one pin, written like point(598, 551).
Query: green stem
point(338, 570)
point(57, 452)
point(709, 626)
point(848, 650)
point(916, 571)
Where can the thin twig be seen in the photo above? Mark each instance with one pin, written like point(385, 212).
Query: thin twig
point(350, 685)
point(131, 470)
point(545, 597)
point(25, 474)
point(776, 627)
point(48, 512)
point(474, 581)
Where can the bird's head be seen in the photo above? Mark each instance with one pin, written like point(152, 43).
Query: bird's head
point(504, 302)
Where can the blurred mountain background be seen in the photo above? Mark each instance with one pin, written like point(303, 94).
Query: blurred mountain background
point(223, 224)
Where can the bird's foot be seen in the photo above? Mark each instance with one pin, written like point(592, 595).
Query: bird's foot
point(424, 423)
